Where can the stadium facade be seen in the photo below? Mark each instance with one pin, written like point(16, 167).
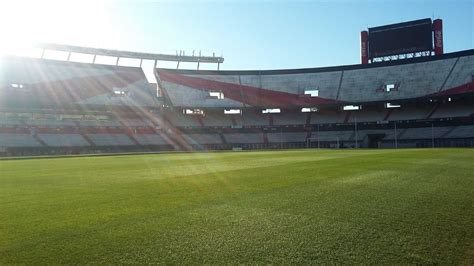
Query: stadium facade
point(62, 107)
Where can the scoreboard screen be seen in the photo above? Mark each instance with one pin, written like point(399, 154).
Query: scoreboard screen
point(401, 38)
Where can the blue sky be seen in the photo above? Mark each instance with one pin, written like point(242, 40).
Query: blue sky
point(249, 34)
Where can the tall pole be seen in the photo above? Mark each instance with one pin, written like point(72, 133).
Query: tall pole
point(356, 142)
point(318, 134)
point(281, 138)
point(432, 136)
point(396, 142)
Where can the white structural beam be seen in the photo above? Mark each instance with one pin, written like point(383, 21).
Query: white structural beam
point(127, 54)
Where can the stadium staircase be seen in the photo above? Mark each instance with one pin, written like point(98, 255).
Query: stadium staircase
point(340, 84)
point(234, 123)
point(23, 123)
point(400, 135)
point(133, 139)
point(200, 121)
point(352, 136)
point(348, 116)
point(448, 132)
point(389, 112)
point(84, 135)
point(129, 133)
point(39, 140)
point(449, 75)
point(171, 134)
point(308, 119)
point(89, 140)
point(265, 138)
point(221, 135)
point(433, 110)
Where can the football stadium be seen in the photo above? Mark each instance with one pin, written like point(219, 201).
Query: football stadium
point(368, 163)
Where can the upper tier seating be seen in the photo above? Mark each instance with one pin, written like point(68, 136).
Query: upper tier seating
point(415, 80)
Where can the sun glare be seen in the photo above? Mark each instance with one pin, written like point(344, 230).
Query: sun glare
point(24, 23)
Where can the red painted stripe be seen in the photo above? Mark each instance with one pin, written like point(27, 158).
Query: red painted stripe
point(465, 88)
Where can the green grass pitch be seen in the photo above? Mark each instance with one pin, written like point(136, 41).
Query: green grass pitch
point(303, 206)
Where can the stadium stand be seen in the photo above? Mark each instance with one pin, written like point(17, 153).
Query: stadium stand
point(150, 139)
point(110, 139)
point(10, 122)
point(68, 107)
point(203, 138)
point(100, 123)
point(449, 110)
point(286, 137)
point(328, 117)
point(18, 140)
point(461, 132)
point(255, 118)
point(240, 138)
point(425, 132)
point(217, 118)
point(49, 123)
point(182, 120)
point(410, 113)
point(368, 115)
point(63, 140)
point(290, 118)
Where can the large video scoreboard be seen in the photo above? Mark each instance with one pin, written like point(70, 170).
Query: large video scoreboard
point(401, 38)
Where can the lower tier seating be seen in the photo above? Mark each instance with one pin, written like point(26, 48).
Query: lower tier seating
point(18, 140)
point(150, 139)
point(63, 140)
point(244, 137)
point(110, 139)
point(203, 138)
point(286, 137)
